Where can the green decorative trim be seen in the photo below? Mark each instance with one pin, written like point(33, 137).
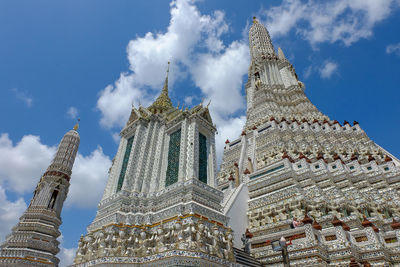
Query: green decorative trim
point(125, 163)
point(269, 171)
point(173, 158)
point(202, 158)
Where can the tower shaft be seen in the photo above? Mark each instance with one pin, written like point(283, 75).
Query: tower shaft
point(291, 161)
point(33, 241)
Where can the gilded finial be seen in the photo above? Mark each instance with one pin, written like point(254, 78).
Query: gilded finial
point(76, 127)
point(255, 19)
point(209, 102)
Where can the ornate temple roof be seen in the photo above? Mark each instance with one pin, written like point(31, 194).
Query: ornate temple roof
point(163, 102)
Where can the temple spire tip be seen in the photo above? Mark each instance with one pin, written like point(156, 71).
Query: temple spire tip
point(76, 126)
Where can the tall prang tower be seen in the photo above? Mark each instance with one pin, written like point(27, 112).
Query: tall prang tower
point(160, 206)
point(33, 241)
point(291, 161)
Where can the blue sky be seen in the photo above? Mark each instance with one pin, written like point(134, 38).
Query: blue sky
point(60, 60)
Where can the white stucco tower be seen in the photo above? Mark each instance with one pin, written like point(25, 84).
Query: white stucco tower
point(160, 206)
point(33, 241)
point(293, 161)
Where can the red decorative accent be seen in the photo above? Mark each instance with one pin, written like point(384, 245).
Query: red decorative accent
point(303, 120)
point(336, 157)
point(370, 158)
point(366, 223)
point(246, 171)
point(317, 226)
point(395, 224)
point(254, 127)
point(345, 227)
point(227, 141)
point(285, 155)
point(283, 119)
point(231, 178)
point(346, 122)
point(387, 158)
point(354, 157)
point(236, 165)
point(315, 121)
point(268, 242)
point(320, 156)
point(336, 221)
point(243, 133)
point(376, 229)
point(355, 123)
point(302, 156)
point(307, 220)
point(353, 263)
point(325, 121)
point(272, 119)
point(248, 234)
point(336, 122)
point(366, 264)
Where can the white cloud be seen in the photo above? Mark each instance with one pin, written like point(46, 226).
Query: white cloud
point(116, 100)
point(116, 137)
point(22, 164)
point(228, 129)
point(88, 172)
point(9, 213)
point(220, 78)
point(66, 255)
point(23, 97)
point(328, 21)
point(307, 72)
point(189, 100)
point(328, 69)
point(72, 112)
point(217, 70)
point(393, 48)
point(148, 57)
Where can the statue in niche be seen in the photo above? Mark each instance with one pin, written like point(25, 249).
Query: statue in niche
point(215, 247)
point(101, 245)
point(121, 243)
point(246, 244)
point(178, 235)
point(228, 251)
point(89, 244)
point(200, 237)
point(80, 253)
point(189, 232)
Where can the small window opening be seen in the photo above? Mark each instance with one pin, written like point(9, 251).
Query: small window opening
point(53, 199)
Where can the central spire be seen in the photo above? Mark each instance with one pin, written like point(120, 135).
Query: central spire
point(260, 41)
point(163, 102)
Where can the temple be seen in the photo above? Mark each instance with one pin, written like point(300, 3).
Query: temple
point(293, 165)
point(322, 189)
point(161, 206)
point(33, 241)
